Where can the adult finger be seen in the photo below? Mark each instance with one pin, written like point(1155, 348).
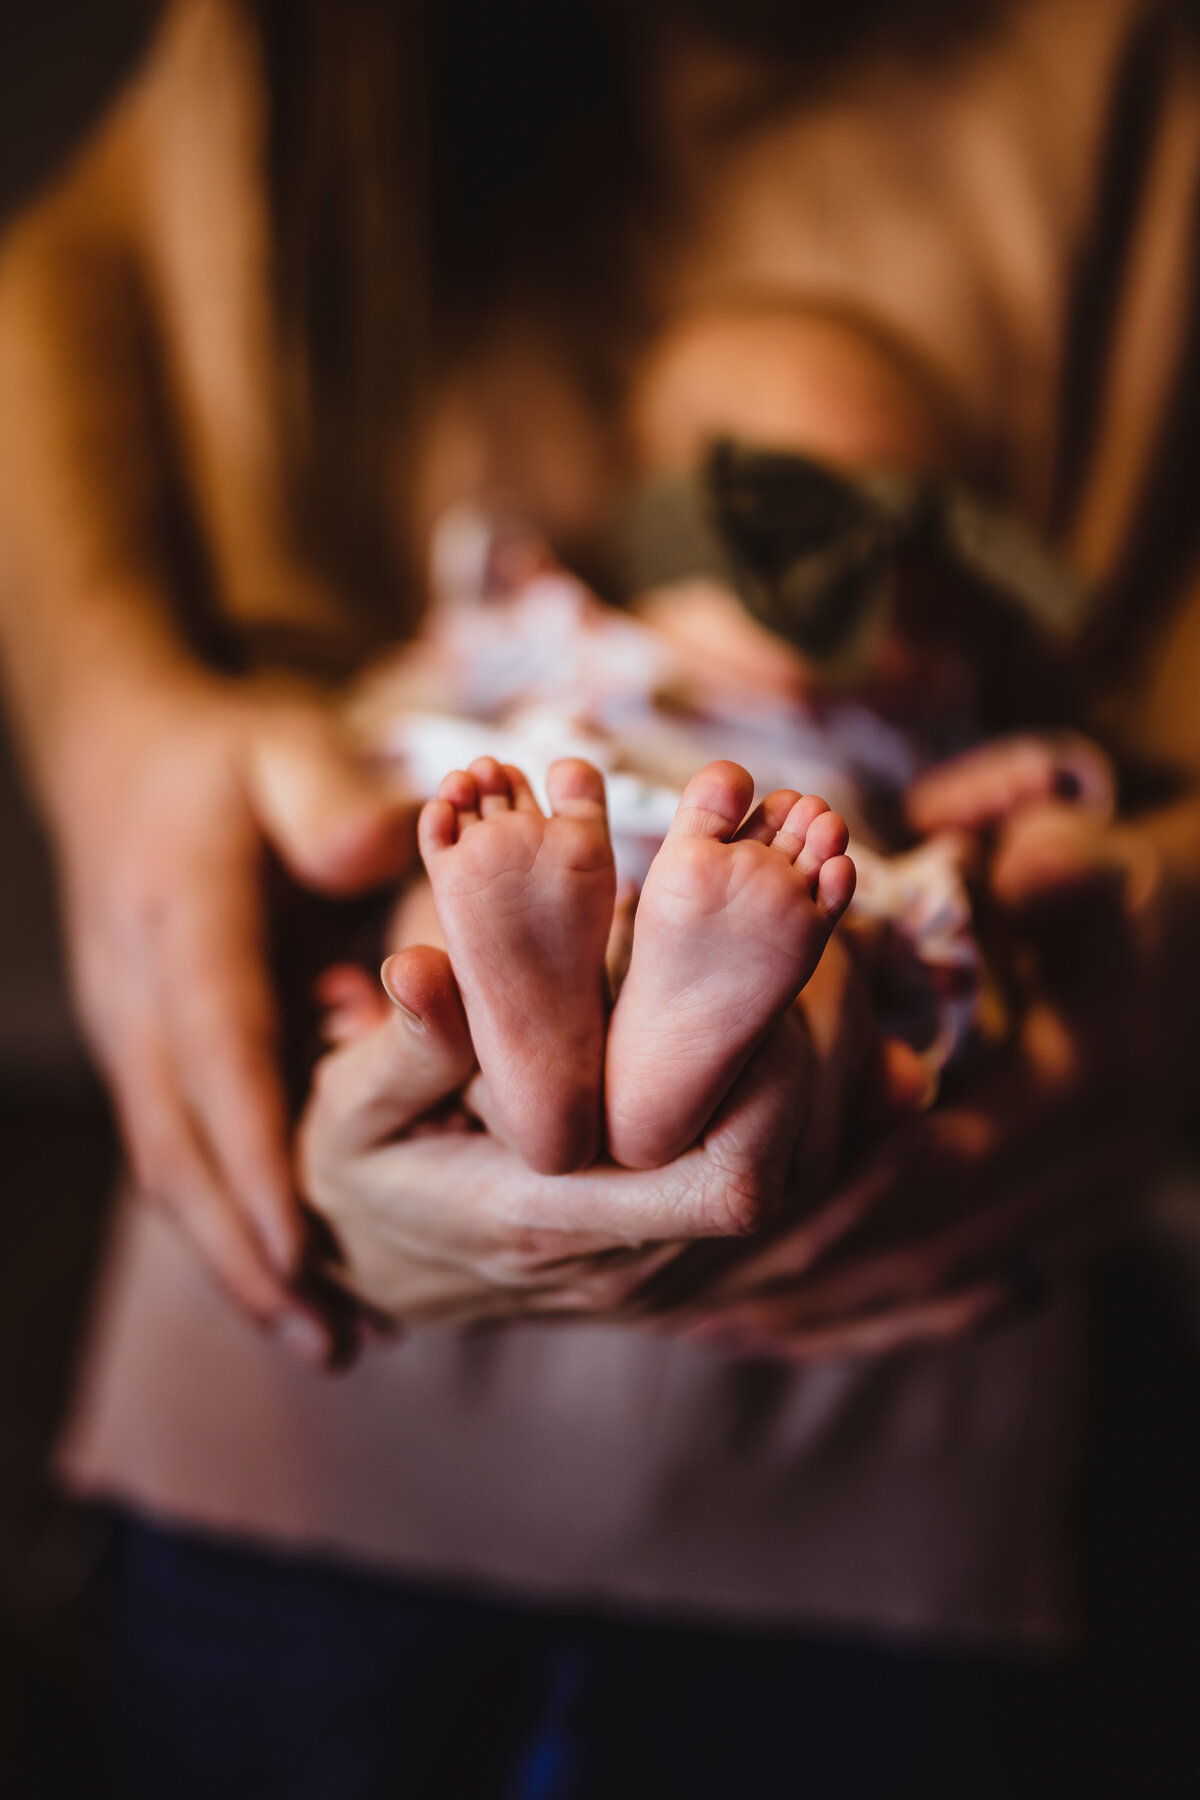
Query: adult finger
point(908, 1273)
point(939, 1321)
point(171, 1168)
point(997, 778)
point(992, 1295)
point(1053, 855)
point(513, 1226)
point(900, 1275)
point(216, 999)
point(888, 1190)
point(339, 828)
point(352, 1003)
point(370, 1090)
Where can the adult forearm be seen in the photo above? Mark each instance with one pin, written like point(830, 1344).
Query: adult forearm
point(85, 617)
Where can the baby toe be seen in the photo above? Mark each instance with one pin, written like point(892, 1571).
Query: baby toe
point(769, 817)
point(793, 833)
point(827, 837)
point(714, 802)
point(835, 886)
point(575, 789)
point(460, 791)
point(437, 829)
point(523, 797)
point(458, 787)
point(495, 792)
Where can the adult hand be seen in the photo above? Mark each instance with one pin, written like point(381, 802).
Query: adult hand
point(161, 833)
point(436, 1221)
point(967, 1212)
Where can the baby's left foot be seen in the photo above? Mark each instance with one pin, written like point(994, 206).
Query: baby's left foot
point(731, 924)
point(525, 904)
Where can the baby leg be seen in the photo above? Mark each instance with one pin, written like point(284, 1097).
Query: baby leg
point(731, 924)
point(525, 903)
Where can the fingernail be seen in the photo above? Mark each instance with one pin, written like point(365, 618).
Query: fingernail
point(1067, 785)
point(304, 1337)
point(414, 1019)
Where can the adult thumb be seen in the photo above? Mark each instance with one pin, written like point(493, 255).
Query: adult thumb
point(335, 822)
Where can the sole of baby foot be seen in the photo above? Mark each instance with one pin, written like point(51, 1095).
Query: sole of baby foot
point(525, 903)
point(733, 919)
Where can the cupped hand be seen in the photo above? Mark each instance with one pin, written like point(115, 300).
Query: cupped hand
point(436, 1221)
point(968, 1213)
point(161, 839)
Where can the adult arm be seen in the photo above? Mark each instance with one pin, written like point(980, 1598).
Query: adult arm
point(971, 1211)
point(160, 782)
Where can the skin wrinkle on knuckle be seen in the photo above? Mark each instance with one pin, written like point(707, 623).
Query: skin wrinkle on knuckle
point(738, 1201)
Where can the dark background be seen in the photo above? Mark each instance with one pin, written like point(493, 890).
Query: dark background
point(60, 61)
point(1127, 1719)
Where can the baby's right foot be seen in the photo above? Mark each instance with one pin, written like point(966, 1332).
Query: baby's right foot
point(525, 904)
point(731, 924)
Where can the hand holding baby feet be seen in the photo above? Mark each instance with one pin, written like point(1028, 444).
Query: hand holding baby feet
point(731, 924)
point(525, 903)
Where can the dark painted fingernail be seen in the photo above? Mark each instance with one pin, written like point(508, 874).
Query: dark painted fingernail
point(1067, 785)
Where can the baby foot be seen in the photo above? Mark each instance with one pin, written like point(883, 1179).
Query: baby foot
point(525, 903)
point(732, 922)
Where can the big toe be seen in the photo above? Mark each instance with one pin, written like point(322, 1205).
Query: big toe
point(575, 789)
point(714, 802)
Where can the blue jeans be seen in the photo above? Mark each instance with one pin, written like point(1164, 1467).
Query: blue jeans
point(245, 1675)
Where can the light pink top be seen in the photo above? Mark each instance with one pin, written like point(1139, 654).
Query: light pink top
point(927, 1492)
